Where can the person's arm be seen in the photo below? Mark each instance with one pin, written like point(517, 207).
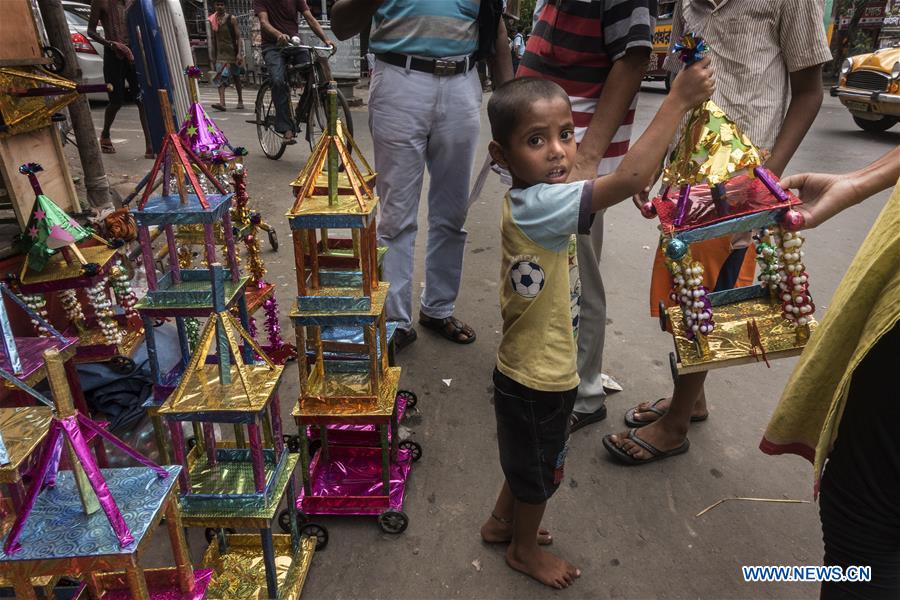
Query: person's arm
point(316, 27)
point(264, 25)
point(806, 98)
point(349, 17)
point(235, 38)
point(623, 83)
point(804, 49)
point(98, 8)
point(501, 62)
point(824, 195)
point(213, 48)
point(692, 86)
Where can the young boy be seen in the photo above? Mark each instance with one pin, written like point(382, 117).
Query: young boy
point(535, 380)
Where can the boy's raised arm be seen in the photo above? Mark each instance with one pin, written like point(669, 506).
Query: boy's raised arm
point(692, 86)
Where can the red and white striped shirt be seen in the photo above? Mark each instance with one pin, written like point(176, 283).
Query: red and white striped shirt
point(575, 43)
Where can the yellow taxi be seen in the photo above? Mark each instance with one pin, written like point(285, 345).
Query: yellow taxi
point(869, 87)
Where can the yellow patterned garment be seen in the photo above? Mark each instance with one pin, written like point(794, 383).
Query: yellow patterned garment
point(538, 349)
point(865, 306)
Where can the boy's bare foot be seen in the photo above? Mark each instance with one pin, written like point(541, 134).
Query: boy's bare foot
point(499, 531)
point(547, 568)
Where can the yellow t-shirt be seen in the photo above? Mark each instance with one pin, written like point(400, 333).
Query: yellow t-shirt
point(538, 349)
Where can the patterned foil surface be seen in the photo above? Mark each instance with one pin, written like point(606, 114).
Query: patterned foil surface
point(230, 512)
point(59, 275)
point(22, 429)
point(161, 583)
point(316, 406)
point(730, 341)
point(57, 528)
point(744, 194)
point(31, 356)
point(350, 482)
point(241, 574)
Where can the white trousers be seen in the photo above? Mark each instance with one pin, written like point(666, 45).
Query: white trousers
point(420, 120)
point(592, 320)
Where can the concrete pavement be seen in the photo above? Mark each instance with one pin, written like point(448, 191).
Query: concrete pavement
point(633, 531)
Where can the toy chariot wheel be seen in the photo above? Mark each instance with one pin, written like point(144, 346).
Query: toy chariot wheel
point(273, 239)
point(57, 59)
point(393, 521)
point(673, 364)
point(414, 449)
point(314, 530)
point(292, 442)
point(314, 446)
point(122, 365)
point(410, 397)
point(191, 442)
point(663, 317)
point(284, 519)
point(210, 533)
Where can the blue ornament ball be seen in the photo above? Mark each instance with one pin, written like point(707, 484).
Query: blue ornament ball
point(676, 249)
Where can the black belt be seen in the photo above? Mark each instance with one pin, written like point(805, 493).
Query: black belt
point(436, 66)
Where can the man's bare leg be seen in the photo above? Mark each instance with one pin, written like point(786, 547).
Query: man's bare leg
point(525, 556)
point(498, 529)
point(669, 431)
point(221, 95)
point(238, 88)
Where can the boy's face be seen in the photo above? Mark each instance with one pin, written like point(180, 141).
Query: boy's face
point(541, 149)
point(220, 7)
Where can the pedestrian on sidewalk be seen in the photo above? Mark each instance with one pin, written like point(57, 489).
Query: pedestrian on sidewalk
point(602, 77)
point(768, 58)
point(227, 53)
point(425, 111)
point(118, 66)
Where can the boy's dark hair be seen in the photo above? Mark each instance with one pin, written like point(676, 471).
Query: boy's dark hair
point(510, 101)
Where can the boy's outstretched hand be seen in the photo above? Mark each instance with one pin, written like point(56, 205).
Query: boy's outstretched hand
point(694, 84)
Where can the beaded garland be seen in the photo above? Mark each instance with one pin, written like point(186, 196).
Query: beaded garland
point(38, 303)
point(769, 257)
point(797, 305)
point(72, 306)
point(121, 286)
point(99, 299)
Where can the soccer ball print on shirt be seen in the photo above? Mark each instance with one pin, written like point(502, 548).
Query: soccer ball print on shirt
point(527, 278)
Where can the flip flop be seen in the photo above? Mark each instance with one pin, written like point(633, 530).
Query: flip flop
point(219, 107)
point(632, 422)
point(457, 327)
point(106, 146)
point(239, 107)
point(655, 453)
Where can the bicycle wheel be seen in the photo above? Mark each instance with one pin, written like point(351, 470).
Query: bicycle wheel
point(271, 142)
point(318, 114)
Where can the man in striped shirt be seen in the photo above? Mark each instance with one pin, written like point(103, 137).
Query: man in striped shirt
point(425, 111)
point(768, 58)
point(597, 50)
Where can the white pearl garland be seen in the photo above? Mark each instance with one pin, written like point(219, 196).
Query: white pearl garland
point(99, 298)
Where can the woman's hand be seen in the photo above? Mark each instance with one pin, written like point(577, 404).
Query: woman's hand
point(823, 195)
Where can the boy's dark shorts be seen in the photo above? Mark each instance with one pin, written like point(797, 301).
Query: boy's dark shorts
point(533, 436)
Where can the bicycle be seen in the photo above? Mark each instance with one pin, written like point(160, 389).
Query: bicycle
point(309, 82)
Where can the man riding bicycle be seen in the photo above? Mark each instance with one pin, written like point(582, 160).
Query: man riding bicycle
point(278, 24)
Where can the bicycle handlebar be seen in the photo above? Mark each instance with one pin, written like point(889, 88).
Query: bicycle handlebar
point(297, 44)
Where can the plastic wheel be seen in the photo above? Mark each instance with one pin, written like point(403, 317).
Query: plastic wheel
point(663, 317)
point(393, 521)
point(122, 365)
point(57, 58)
point(191, 442)
point(284, 519)
point(292, 442)
point(414, 449)
point(273, 239)
point(410, 397)
point(271, 142)
point(314, 530)
point(210, 533)
point(673, 364)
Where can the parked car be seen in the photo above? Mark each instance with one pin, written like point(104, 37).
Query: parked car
point(88, 52)
point(869, 87)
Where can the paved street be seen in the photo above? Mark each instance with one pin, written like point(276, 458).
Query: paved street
point(633, 531)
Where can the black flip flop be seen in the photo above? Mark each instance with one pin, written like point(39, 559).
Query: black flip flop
point(632, 422)
point(655, 453)
point(580, 419)
point(440, 326)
